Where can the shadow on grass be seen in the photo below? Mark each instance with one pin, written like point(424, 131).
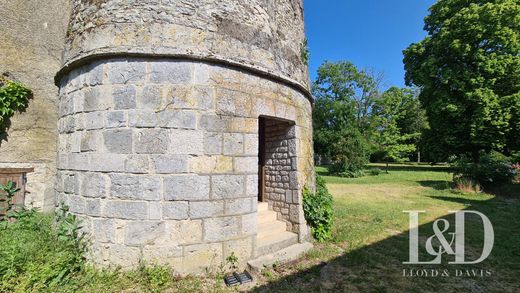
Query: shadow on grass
point(379, 267)
point(411, 168)
point(435, 184)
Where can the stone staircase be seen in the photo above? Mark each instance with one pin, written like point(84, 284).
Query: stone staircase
point(274, 244)
point(272, 234)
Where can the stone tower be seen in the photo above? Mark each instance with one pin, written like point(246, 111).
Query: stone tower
point(181, 122)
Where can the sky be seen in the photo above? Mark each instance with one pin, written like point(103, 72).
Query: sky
point(369, 33)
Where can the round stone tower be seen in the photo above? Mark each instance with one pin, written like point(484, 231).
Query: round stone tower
point(185, 130)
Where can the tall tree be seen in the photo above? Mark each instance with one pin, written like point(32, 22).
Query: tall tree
point(342, 114)
point(468, 69)
point(399, 119)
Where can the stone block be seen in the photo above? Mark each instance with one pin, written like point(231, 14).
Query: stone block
point(94, 120)
point(201, 258)
point(211, 164)
point(130, 210)
point(251, 144)
point(246, 165)
point(186, 187)
point(93, 207)
point(126, 72)
point(151, 98)
point(212, 143)
point(242, 248)
point(106, 162)
point(215, 123)
point(171, 72)
point(118, 141)
point(206, 209)
point(123, 255)
point(176, 210)
point(93, 185)
point(90, 141)
point(135, 187)
point(249, 224)
point(124, 97)
point(239, 206)
point(178, 119)
point(138, 233)
point(151, 141)
point(228, 186)
point(155, 210)
point(163, 255)
point(220, 229)
point(185, 232)
point(233, 144)
point(96, 73)
point(170, 164)
point(137, 164)
point(185, 141)
point(143, 118)
point(252, 186)
point(103, 230)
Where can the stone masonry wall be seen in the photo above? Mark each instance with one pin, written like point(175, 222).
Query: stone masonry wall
point(282, 190)
point(159, 158)
point(32, 37)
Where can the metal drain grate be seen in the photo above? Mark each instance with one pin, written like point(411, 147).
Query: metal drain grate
point(238, 279)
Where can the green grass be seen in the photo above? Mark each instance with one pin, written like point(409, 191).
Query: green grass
point(370, 239)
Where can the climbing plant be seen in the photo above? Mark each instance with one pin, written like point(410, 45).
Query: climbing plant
point(14, 97)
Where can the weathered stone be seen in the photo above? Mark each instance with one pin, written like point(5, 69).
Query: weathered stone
point(106, 162)
point(94, 120)
point(135, 187)
point(184, 141)
point(206, 209)
point(227, 186)
point(142, 118)
point(144, 233)
point(93, 185)
point(118, 141)
point(239, 206)
point(170, 164)
point(137, 164)
point(171, 72)
point(219, 229)
point(177, 119)
point(177, 210)
point(125, 209)
point(126, 72)
point(211, 164)
point(186, 232)
point(124, 97)
point(233, 143)
point(246, 164)
point(186, 187)
point(201, 258)
point(212, 143)
point(151, 98)
point(152, 141)
point(103, 230)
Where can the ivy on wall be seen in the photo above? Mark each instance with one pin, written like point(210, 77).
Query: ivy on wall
point(14, 96)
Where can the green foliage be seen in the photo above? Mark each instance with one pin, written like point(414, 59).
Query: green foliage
point(342, 115)
point(33, 256)
point(232, 261)
point(374, 171)
point(468, 69)
point(304, 52)
point(318, 210)
point(13, 97)
point(494, 169)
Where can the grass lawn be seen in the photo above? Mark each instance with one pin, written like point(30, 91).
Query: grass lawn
point(370, 241)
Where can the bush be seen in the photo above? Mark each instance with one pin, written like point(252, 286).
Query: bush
point(374, 171)
point(318, 210)
point(494, 169)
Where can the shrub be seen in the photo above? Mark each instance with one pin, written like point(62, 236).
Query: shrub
point(374, 171)
point(494, 169)
point(14, 96)
point(318, 210)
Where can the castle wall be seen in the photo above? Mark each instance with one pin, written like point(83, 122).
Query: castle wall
point(160, 158)
point(31, 45)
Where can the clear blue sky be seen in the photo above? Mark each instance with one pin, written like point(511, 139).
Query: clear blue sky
point(369, 33)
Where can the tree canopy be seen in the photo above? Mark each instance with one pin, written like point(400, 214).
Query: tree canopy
point(468, 70)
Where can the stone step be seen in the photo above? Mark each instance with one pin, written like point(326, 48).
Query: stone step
point(263, 206)
point(269, 242)
point(285, 255)
point(271, 227)
point(266, 216)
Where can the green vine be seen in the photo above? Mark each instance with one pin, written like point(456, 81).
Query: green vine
point(14, 96)
point(318, 210)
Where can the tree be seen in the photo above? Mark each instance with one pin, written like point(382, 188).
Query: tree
point(468, 69)
point(342, 114)
point(400, 120)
